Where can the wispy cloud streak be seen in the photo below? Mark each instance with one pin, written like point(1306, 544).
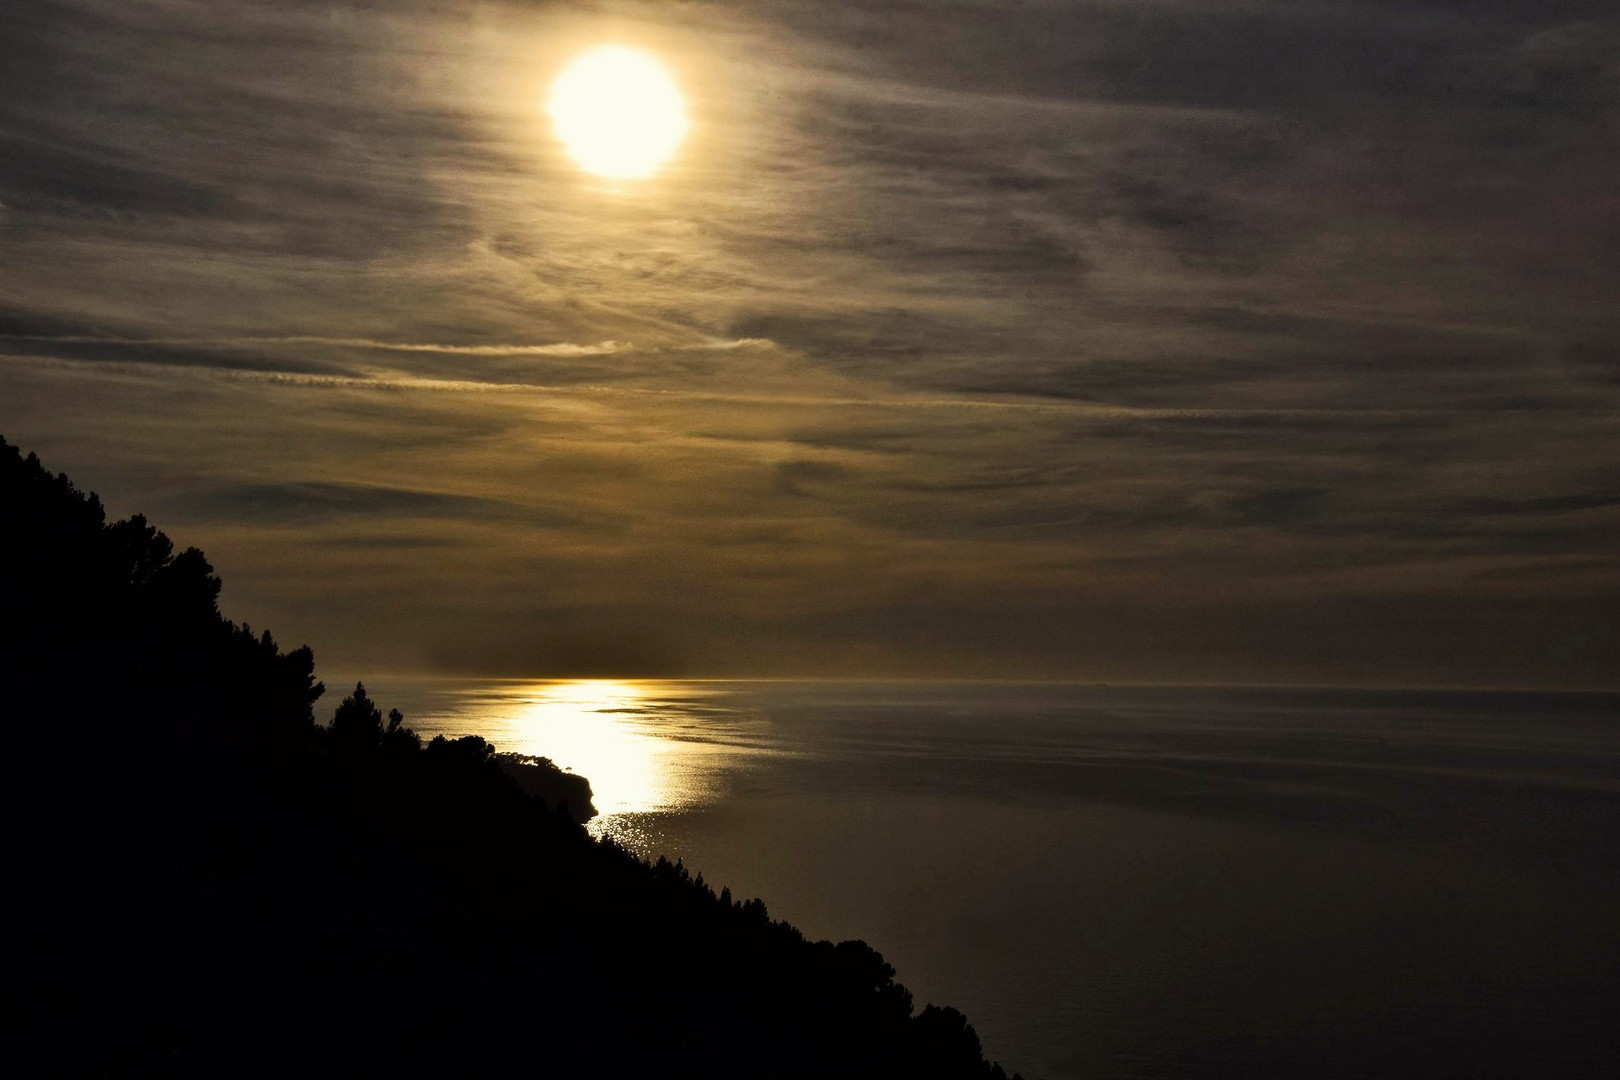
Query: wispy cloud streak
point(561, 348)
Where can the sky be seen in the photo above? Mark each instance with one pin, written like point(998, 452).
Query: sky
point(1117, 340)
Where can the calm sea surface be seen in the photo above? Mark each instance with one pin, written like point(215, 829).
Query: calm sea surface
point(1142, 883)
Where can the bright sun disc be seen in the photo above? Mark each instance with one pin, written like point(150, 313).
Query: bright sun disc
point(618, 113)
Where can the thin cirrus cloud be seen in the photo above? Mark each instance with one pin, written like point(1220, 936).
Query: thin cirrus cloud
point(561, 348)
point(1197, 340)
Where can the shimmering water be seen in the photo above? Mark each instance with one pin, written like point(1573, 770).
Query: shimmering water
point(1143, 883)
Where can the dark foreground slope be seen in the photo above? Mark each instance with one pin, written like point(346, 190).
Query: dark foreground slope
point(210, 882)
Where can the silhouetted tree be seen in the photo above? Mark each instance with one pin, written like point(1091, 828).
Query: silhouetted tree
point(357, 726)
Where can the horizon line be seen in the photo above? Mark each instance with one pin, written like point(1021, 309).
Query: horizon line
point(1095, 684)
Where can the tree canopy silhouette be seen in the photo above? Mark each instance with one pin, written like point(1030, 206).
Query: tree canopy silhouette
point(215, 883)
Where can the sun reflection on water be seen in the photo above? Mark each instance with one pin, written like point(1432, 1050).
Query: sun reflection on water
point(613, 732)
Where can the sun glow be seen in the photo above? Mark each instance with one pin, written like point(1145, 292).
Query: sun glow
point(618, 113)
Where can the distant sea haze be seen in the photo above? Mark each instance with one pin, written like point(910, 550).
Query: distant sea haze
point(1136, 883)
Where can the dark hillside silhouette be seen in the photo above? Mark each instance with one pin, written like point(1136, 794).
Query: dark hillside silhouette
point(210, 882)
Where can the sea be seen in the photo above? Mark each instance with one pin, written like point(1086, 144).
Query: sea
point(1129, 882)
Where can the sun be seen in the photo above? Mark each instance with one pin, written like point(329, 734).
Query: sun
point(618, 113)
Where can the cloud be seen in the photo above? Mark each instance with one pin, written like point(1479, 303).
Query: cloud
point(964, 336)
point(305, 502)
point(558, 348)
point(174, 353)
point(562, 348)
point(1574, 66)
